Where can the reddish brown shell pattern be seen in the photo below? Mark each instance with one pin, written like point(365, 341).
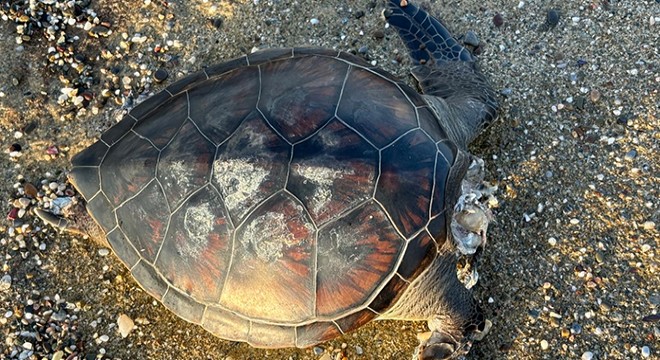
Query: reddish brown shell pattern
point(282, 198)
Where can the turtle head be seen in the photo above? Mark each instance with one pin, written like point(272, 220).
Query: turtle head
point(74, 219)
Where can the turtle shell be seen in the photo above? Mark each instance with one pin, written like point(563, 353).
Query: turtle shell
point(282, 198)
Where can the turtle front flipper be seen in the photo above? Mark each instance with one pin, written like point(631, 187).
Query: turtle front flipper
point(446, 71)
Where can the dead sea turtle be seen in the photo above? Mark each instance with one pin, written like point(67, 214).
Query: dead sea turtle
point(287, 197)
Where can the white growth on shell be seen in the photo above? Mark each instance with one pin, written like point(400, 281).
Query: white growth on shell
point(198, 224)
point(176, 172)
point(267, 236)
point(323, 176)
point(239, 182)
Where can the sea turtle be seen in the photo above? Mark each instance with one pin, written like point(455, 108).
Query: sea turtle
point(289, 196)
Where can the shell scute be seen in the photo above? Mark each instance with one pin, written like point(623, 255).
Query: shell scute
point(225, 324)
point(196, 251)
point(250, 166)
point(421, 250)
point(429, 123)
point(354, 253)
point(316, 332)
point(269, 55)
point(185, 164)
point(144, 220)
point(92, 156)
point(446, 157)
point(388, 295)
point(183, 305)
point(355, 320)
point(123, 248)
point(296, 106)
point(150, 105)
point(102, 213)
point(219, 69)
point(117, 131)
point(86, 179)
point(149, 280)
point(332, 172)
point(271, 336)
point(375, 107)
point(161, 126)
point(127, 167)
point(273, 249)
point(219, 104)
point(406, 180)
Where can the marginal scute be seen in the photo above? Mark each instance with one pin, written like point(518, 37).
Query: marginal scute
point(298, 106)
point(429, 123)
point(160, 126)
point(406, 180)
point(302, 51)
point(149, 279)
point(274, 250)
point(92, 156)
point(185, 164)
point(128, 166)
point(355, 253)
point(196, 251)
point(118, 130)
point(101, 211)
point(219, 105)
point(144, 220)
point(185, 83)
point(225, 324)
point(332, 172)
point(269, 55)
point(420, 252)
point(86, 179)
point(438, 229)
point(388, 295)
point(123, 248)
point(355, 320)
point(271, 336)
point(183, 305)
point(250, 166)
point(375, 107)
point(219, 69)
point(150, 105)
point(316, 332)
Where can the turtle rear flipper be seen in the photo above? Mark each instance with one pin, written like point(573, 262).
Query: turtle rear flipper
point(446, 70)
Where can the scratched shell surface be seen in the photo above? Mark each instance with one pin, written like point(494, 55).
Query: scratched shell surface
point(281, 199)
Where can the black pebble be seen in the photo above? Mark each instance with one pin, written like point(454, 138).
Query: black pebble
point(217, 23)
point(15, 147)
point(552, 18)
point(160, 75)
point(498, 20)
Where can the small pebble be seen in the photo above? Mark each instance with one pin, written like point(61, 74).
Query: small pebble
point(646, 351)
point(587, 355)
point(104, 338)
point(125, 325)
point(544, 345)
point(160, 75)
point(630, 155)
point(5, 282)
point(498, 20)
point(358, 350)
point(318, 350)
point(104, 252)
point(314, 21)
point(471, 38)
point(552, 18)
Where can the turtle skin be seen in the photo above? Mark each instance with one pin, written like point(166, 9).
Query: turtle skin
point(282, 198)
